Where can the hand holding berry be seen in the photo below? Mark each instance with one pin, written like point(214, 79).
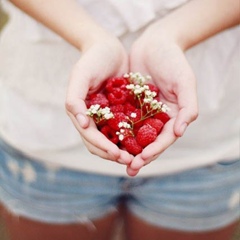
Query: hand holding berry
point(128, 112)
point(159, 54)
point(102, 57)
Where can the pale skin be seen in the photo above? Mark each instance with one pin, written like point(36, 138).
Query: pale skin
point(163, 43)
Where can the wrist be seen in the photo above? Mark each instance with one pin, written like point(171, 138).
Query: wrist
point(66, 18)
point(198, 20)
point(89, 35)
point(168, 33)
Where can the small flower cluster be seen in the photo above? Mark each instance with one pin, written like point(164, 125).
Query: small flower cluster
point(128, 111)
point(123, 126)
point(145, 95)
point(99, 114)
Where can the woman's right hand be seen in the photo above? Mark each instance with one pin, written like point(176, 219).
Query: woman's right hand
point(103, 56)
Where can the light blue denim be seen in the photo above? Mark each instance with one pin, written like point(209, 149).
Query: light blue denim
point(196, 200)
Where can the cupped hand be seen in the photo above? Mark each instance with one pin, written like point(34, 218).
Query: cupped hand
point(159, 55)
point(102, 58)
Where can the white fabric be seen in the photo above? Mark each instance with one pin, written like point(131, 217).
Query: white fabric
point(34, 68)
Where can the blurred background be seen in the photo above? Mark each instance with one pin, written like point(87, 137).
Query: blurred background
point(3, 236)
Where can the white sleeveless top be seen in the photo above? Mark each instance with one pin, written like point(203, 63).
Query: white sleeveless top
point(34, 68)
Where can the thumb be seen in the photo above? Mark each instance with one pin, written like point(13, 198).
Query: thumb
point(188, 107)
point(75, 100)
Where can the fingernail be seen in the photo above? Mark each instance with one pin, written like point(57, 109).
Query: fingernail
point(183, 128)
point(82, 120)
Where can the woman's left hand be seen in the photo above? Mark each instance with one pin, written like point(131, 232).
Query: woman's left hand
point(159, 56)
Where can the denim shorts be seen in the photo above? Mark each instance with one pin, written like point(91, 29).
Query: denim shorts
point(195, 200)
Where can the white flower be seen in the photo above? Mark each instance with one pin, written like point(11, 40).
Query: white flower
point(133, 115)
point(108, 116)
point(130, 86)
point(165, 108)
point(105, 113)
point(120, 124)
point(100, 113)
point(148, 93)
point(124, 125)
point(138, 78)
point(154, 101)
point(121, 137)
point(147, 100)
point(93, 109)
point(153, 94)
point(105, 110)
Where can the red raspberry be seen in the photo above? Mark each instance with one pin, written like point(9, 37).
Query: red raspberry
point(116, 83)
point(117, 108)
point(155, 123)
point(146, 135)
point(162, 116)
point(145, 125)
point(118, 117)
point(117, 96)
point(128, 108)
point(110, 134)
point(135, 117)
point(131, 98)
point(131, 145)
point(97, 98)
point(100, 123)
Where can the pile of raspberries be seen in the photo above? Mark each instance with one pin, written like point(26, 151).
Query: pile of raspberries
point(128, 111)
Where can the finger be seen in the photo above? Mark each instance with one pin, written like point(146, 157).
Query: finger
point(149, 160)
point(125, 157)
point(91, 134)
point(183, 119)
point(131, 172)
point(76, 94)
point(97, 139)
point(137, 163)
point(162, 142)
point(76, 110)
point(188, 106)
point(96, 151)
